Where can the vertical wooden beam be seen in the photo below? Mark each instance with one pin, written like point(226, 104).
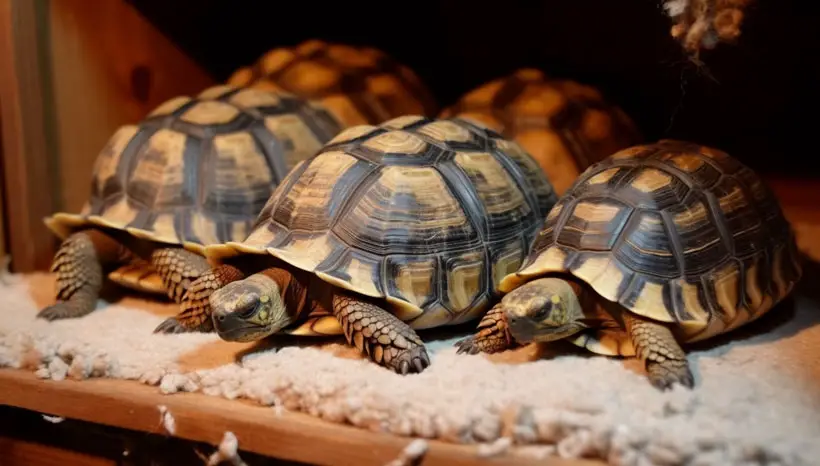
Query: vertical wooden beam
point(28, 183)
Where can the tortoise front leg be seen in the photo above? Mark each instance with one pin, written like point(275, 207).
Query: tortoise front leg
point(79, 266)
point(493, 335)
point(656, 345)
point(381, 335)
point(195, 303)
point(178, 268)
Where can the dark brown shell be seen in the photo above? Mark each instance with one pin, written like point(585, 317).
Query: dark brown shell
point(566, 126)
point(672, 231)
point(361, 85)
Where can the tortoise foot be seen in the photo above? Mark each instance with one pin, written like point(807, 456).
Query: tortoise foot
point(172, 325)
point(411, 361)
point(663, 375)
point(493, 335)
point(64, 310)
point(469, 345)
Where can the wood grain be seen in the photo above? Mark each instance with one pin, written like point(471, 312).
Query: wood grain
point(198, 417)
point(25, 149)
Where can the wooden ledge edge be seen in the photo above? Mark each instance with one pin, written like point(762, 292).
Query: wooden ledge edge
point(198, 417)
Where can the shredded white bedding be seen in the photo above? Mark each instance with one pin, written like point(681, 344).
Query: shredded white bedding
point(757, 399)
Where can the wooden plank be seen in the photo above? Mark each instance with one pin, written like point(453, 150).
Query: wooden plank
point(25, 148)
point(198, 417)
point(71, 72)
point(17, 452)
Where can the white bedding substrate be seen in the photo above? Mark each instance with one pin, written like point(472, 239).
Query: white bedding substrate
point(757, 399)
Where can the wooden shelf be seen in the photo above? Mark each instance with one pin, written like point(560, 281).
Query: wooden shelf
point(198, 417)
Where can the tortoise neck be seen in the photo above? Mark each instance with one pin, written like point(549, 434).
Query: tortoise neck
point(292, 288)
point(586, 297)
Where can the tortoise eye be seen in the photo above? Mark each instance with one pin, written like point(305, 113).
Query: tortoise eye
point(543, 311)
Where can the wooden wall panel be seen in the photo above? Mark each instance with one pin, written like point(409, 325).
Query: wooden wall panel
point(29, 188)
point(71, 72)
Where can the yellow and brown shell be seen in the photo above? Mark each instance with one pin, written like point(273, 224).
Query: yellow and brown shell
point(427, 214)
point(198, 171)
point(673, 231)
point(361, 85)
point(564, 125)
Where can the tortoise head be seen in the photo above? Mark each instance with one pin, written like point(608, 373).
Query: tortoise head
point(545, 309)
point(249, 309)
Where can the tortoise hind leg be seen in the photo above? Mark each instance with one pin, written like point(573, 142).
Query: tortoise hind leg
point(195, 302)
point(656, 345)
point(79, 266)
point(381, 335)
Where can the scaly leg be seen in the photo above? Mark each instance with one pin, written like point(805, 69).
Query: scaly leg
point(656, 345)
point(196, 308)
point(381, 335)
point(79, 266)
point(178, 268)
point(493, 335)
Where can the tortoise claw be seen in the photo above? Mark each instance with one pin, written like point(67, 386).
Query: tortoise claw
point(171, 325)
point(55, 312)
point(467, 345)
point(414, 360)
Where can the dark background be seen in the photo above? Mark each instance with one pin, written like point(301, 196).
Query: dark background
point(757, 99)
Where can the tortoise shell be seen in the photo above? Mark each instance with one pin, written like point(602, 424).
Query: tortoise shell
point(672, 231)
point(361, 85)
point(564, 125)
point(198, 170)
point(427, 214)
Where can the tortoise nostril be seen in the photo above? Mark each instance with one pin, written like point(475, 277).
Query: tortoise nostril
point(220, 318)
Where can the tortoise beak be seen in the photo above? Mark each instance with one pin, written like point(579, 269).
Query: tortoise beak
point(232, 327)
point(237, 323)
point(522, 329)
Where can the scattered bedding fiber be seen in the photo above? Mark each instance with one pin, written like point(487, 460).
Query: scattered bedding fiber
point(757, 399)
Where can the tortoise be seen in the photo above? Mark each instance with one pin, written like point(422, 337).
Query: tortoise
point(389, 229)
point(194, 171)
point(657, 246)
point(362, 85)
point(565, 125)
